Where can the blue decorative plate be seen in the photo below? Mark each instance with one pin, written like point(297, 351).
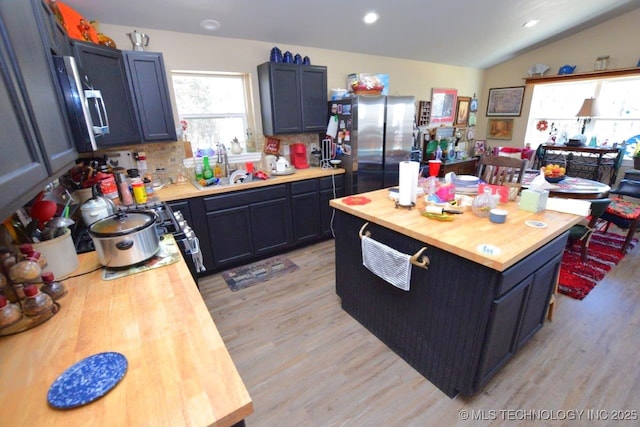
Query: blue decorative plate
point(87, 380)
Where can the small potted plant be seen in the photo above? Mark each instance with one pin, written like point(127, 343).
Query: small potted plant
point(636, 156)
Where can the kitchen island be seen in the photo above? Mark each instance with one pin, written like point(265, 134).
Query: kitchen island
point(179, 370)
point(483, 294)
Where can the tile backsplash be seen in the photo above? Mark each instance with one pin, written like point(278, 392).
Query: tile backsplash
point(169, 155)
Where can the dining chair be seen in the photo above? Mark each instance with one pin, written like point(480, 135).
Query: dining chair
point(497, 170)
point(622, 212)
point(582, 232)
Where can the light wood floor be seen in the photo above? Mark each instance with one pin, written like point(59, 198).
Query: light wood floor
point(306, 362)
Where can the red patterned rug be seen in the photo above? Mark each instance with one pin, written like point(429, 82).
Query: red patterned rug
point(577, 279)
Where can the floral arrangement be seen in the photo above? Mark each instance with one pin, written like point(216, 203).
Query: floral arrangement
point(542, 125)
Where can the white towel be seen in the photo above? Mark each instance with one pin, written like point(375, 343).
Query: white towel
point(386, 263)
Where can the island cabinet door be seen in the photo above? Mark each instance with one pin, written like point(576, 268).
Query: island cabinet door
point(535, 310)
point(500, 342)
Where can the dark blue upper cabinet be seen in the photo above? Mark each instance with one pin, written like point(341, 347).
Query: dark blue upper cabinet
point(148, 83)
point(293, 98)
point(36, 143)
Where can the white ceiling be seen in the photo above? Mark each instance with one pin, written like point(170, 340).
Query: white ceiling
point(472, 33)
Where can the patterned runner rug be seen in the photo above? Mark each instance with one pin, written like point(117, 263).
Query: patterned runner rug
point(258, 272)
point(578, 279)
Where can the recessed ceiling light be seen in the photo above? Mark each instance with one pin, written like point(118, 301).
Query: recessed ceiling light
point(370, 18)
point(210, 24)
point(531, 23)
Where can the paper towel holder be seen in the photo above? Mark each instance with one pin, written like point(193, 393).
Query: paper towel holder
point(415, 258)
point(409, 206)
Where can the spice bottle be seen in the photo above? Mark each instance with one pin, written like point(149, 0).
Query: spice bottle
point(28, 252)
point(52, 287)
point(139, 192)
point(35, 302)
point(25, 271)
point(9, 313)
point(148, 187)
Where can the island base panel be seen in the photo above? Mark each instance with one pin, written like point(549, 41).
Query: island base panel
point(460, 321)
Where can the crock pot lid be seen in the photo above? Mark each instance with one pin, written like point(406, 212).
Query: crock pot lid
point(122, 224)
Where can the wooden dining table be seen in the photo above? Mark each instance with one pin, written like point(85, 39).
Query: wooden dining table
point(579, 188)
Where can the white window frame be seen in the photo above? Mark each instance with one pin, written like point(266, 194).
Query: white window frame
point(567, 121)
point(247, 116)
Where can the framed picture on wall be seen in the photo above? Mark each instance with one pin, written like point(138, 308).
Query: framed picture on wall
point(500, 128)
point(443, 105)
point(462, 111)
point(479, 147)
point(505, 101)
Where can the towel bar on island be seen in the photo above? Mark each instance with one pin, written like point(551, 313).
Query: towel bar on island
point(417, 259)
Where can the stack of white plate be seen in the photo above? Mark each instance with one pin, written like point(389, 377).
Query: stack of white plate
point(466, 184)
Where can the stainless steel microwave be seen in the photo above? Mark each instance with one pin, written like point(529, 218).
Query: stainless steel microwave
point(84, 104)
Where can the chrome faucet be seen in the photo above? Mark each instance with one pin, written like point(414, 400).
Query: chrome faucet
point(223, 158)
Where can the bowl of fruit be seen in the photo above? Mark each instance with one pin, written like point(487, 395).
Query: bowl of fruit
point(554, 173)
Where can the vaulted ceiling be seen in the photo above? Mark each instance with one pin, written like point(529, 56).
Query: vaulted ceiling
point(468, 33)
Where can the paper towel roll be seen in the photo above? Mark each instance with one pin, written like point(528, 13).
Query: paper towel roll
point(408, 183)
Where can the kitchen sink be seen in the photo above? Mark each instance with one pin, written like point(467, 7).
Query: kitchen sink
point(225, 182)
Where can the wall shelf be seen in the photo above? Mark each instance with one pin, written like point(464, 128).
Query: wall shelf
point(586, 75)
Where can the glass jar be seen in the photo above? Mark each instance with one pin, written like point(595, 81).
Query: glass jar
point(483, 203)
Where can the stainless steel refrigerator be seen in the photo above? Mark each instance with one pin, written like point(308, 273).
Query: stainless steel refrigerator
point(375, 134)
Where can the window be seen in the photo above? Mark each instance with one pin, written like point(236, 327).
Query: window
point(215, 106)
point(558, 103)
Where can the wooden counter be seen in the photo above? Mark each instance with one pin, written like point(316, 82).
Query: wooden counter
point(466, 232)
point(173, 192)
point(179, 373)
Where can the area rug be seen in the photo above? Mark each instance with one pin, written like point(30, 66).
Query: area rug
point(577, 279)
point(258, 272)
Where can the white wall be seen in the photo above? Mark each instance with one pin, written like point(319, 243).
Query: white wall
point(617, 38)
point(183, 51)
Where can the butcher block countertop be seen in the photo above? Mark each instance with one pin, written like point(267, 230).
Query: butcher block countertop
point(184, 191)
point(179, 370)
point(466, 232)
